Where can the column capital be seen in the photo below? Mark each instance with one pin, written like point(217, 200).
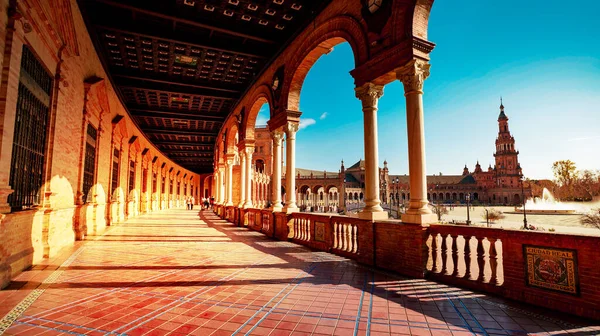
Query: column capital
point(368, 94)
point(248, 151)
point(291, 128)
point(413, 75)
point(277, 135)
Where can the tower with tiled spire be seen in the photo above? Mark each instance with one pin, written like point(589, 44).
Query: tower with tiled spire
point(508, 169)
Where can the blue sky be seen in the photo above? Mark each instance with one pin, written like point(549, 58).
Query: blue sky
point(542, 57)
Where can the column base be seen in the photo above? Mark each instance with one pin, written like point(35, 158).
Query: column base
point(247, 205)
point(228, 204)
point(419, 218)
point(291, 209)
point(276, 208)
point(373, 215)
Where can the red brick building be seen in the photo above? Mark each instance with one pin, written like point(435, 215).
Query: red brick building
point(500, 184)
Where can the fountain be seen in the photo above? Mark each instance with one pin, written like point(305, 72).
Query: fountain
point(546, 205)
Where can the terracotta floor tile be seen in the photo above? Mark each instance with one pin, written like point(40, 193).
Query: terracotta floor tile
point(195, 274)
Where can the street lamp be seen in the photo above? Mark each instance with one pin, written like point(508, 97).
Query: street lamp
point(523, 198)
point(468, 215)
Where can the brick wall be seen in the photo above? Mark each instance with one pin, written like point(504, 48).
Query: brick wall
point(26, 237)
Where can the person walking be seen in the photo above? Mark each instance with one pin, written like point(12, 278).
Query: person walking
point(192, 200)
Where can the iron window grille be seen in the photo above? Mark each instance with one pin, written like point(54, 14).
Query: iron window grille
point(115, 171)
point(89, 162)
point(171, 187)
point(131, 175)
point(162, 185)
point(31, 126)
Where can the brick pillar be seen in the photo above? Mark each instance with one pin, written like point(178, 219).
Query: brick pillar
point(11, 68)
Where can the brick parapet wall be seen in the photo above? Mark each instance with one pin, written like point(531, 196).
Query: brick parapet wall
point(406, 249)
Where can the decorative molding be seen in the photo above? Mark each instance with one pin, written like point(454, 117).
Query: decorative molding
point(369, 94)
point(290, 129)
point(413, 75)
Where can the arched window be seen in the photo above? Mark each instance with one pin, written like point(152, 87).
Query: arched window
point(260, 166)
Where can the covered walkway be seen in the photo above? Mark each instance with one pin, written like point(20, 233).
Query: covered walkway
point(185, 272)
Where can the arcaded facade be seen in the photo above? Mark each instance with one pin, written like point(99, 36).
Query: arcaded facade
point(72, 161)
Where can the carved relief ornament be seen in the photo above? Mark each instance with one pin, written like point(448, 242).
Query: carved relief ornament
point(369, 94)
point(291, 128)
point(413, 75)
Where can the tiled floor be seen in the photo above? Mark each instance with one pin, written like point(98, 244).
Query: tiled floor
point(183, 272)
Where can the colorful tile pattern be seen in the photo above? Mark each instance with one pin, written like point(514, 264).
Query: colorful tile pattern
point(182, 272)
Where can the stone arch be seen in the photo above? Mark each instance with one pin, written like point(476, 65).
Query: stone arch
point(316, 188)
point(329, 187)
point(420, 18)
point(232, 136)
point(262, 95)
point(320, 41)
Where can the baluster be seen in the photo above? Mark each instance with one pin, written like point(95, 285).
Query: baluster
point(335, 237)
point(343, 236)
point(434, 253)
point(348, 237)
point(467, 257)
point(480, 259)
point(308, 230)
point(444, 254)
point(297, 232)
point(454, 254)
point(305, 226)
point(493, 262)
point(352, 238)
point(355, 249)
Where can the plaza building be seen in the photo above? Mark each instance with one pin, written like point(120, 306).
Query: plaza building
point(319, 190)
point(114, 114)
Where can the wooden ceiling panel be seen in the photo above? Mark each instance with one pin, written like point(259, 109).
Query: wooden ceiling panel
point(180, 66)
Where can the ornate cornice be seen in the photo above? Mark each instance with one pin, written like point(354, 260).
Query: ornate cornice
point(413, 75)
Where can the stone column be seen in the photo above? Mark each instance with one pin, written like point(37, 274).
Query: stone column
point(276, 176)
point(369, 95)
point(222, 185)
point(248, 172)
point(413, 75)
point(215, 188)
point(243, 167)
point(290, 161)
point(229, 182)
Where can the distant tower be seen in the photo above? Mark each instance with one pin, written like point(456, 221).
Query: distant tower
point(477, 167)
point(466, 171)
point(508, 169)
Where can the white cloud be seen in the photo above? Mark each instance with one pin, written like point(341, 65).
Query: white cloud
point(585, 138)
point(305, 122)
point(323, 115)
